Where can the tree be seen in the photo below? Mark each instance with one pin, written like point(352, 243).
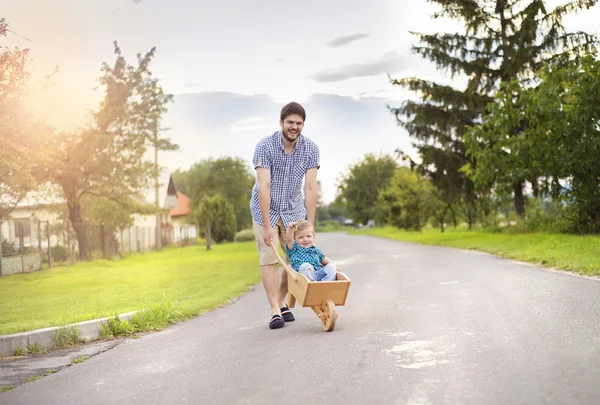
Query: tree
point(501, 41)
point(229, 177)
point(322, 213)
point(360, 187)
point(102, 210)
point(106, 157)
point(563, 118)
point(337, 209)
point(408, 201)
point(19, 153)
point(217, 216)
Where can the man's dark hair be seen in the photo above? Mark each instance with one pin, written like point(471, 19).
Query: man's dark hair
point(291, 109)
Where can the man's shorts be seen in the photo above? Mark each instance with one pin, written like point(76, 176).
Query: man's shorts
point(265, 252)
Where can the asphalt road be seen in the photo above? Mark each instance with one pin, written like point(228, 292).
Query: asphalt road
point(422, 325)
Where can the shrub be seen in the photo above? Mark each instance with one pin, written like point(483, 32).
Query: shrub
point(245, 235)
point(60, 253)
point(327, 226)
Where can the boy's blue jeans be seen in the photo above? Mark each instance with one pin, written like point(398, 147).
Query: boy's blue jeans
point(326, 273)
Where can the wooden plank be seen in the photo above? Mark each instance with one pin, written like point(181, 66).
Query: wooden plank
point(320, 291)
point(291, 300)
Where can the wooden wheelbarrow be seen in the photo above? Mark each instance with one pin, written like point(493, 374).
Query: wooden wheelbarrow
point(321, 296)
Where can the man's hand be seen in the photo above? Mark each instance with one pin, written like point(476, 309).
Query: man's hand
point(268, 235)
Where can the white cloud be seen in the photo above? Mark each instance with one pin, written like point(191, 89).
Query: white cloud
point(252, 124)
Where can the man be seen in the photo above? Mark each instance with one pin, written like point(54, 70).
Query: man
point(282, 160)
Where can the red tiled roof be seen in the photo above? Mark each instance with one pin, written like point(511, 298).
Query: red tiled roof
point(183, 206)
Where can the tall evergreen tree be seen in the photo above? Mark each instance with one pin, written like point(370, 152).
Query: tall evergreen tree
point(501, 41)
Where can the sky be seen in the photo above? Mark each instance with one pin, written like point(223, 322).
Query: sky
point(232, 65)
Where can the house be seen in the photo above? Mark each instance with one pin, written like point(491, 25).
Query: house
point(178, 220)
point(49, 208)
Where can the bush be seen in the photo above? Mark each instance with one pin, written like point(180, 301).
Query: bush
point(545, 216)
point(245, 235)
point(327, 226)
point(60, 253)
point(220, 214)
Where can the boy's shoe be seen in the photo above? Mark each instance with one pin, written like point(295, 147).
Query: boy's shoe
point(287, 314)
point(276, 322)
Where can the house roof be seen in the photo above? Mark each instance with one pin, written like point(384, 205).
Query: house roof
point(183, 206)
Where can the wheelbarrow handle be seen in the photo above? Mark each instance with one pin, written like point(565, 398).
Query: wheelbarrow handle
point(283, 263)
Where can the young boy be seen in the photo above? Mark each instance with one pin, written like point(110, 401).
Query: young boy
point(304, 256)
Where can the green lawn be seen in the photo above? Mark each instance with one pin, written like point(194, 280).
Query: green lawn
point(189, 279)
point(579, 254)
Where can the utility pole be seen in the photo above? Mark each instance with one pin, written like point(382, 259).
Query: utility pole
point(158, 233)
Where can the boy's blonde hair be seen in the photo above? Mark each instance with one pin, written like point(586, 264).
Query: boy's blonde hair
point(302, 225)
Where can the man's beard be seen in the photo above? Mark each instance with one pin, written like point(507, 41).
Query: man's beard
point(286, 136)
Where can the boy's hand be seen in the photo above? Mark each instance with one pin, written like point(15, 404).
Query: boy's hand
point(292, 225)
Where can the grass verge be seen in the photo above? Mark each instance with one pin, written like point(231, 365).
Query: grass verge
point(171, 285)
point(580, 254)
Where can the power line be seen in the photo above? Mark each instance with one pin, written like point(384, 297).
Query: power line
point(19, 35)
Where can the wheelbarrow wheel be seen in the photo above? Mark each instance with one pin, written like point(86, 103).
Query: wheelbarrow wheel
point(330, 315)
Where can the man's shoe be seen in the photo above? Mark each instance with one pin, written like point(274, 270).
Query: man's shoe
point(276, 322)
point(287, 314)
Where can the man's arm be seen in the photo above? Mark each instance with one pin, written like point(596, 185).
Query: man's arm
point(264, 195)
point(311, 191)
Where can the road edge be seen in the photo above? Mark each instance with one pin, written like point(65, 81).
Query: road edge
point(45, 337)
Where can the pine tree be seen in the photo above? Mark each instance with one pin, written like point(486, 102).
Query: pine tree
point(501, 41)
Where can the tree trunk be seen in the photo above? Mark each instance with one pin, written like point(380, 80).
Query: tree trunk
point(208, 237)
point(79, 228)
point(535, 187)
point(441, 217)
point(454, 220)
point(519, 199)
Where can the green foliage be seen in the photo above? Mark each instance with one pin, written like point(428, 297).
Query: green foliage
point(408, 202)
point(102, 210)
point(545, 216)
point(501, 41)
point(35, 348)
point(59, 254)
point(337, 209)
point(116, 327)
point(563, 117)
point(245, 235)
point(107, 158)
point(19, 351)
point(327, 226)
point(66, 336)
point(19, 153)
point(360, 187)
point(226, 176)
point(218, 215)
point(548, 133)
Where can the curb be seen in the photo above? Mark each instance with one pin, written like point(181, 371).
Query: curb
point(88, 330)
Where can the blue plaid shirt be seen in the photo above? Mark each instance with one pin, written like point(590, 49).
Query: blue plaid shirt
point(299, 254)
point(287, 173)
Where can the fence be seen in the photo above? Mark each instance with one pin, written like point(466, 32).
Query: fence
point(20, 246)
point(105, 241)
point(27, 245)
